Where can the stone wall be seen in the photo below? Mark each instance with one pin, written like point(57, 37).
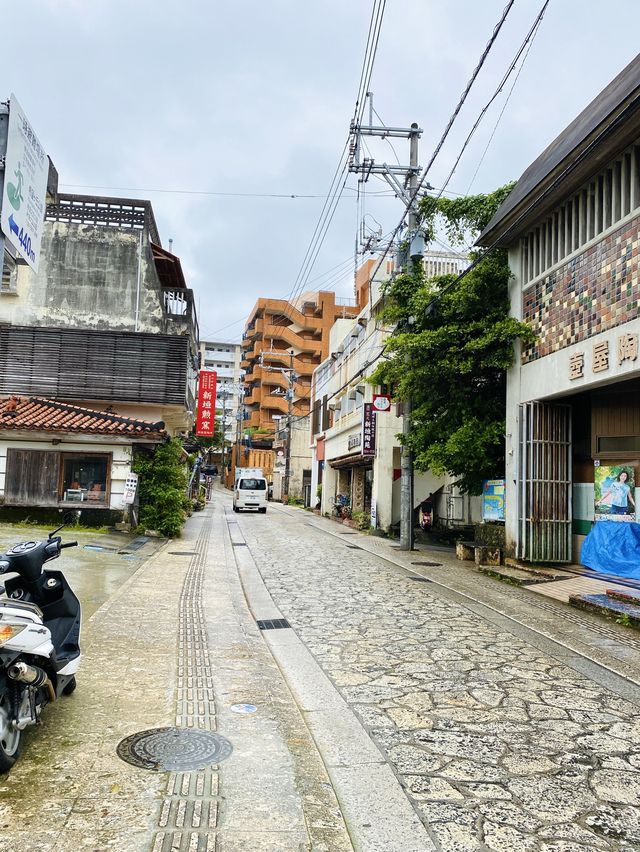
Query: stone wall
point(88, 278)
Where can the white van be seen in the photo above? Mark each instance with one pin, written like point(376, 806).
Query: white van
point(250, 492)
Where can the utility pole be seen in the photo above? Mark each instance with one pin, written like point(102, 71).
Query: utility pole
point(405, 190)
point(289, 374)
point(287, 463)
point(406, 458)
point(239, 420)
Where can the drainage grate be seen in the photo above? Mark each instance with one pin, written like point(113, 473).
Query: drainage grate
point(429, 564)
point(238, 544)
point(347, 533)
point(353, 547)
point(174, 749)
point(182, 552)
point(137, 543)
point(420, 579)
point(272, 623)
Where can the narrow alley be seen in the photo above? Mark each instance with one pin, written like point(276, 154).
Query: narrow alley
point(382, 706)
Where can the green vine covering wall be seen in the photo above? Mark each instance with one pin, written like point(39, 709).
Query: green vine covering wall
point(162, 488)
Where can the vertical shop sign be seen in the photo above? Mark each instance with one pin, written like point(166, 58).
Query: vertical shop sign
point(369, 430)
point(206, 419)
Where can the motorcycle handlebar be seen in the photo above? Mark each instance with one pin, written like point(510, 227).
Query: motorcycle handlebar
point(69, 544)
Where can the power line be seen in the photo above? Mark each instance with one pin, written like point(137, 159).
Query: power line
point(329, 272)
point(508, 72)
point(288, 195)
point(450, 123)
point(335, 190)
point(434, 155)
point(502, 111)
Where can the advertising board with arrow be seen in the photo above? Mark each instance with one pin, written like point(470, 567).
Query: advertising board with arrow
point(25, 187)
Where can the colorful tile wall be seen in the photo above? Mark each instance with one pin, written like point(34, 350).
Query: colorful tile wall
point(595, 291)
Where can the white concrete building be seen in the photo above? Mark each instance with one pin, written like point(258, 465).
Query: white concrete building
point(224, 358)
point(343, 464)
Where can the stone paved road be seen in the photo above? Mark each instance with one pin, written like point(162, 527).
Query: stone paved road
point(498, 745)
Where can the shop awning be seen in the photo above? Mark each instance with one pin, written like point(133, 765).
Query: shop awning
point(357, 460)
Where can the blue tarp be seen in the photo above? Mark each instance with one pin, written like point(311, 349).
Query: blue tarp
point(613, 547)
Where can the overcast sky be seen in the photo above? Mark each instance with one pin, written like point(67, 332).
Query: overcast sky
point(164, 100)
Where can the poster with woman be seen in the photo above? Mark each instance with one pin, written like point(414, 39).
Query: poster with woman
point(615, 493)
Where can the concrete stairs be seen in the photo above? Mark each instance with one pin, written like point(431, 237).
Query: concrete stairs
point(620, 606)
point(518, 575)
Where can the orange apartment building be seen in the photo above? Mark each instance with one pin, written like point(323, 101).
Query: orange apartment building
point(276, 326)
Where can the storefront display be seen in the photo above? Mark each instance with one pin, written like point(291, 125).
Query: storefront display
point(614, 487)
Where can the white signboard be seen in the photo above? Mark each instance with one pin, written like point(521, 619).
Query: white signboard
point(25, 187)
point(130, 487)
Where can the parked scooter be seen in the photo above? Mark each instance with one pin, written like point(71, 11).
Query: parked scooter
point(39, 638)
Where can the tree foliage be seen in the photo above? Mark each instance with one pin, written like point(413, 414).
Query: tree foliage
point(452, 346)
point(162, 488)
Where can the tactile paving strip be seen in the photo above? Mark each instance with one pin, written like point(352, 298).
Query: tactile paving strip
point(189, 811)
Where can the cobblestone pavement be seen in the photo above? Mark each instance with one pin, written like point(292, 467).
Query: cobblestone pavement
point(497, 744)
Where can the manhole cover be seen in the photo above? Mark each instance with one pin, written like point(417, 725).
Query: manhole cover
point(429, 564)
point(243, 708)
point(174, 749)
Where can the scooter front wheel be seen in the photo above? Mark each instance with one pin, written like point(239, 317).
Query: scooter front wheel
point(10, 737)
point(70, 686)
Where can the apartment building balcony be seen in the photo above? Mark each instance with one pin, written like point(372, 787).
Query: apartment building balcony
point(254, 420)
point(305, 368)
point(179, 309)
point(292, 338)
point(254, 397)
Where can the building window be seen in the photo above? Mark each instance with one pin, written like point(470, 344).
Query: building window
point(622, 445)
point(9, 281)
point(85, 478)
point(598, 205)
point(49, 478)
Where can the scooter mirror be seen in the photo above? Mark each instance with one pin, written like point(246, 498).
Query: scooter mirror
point(67, 518)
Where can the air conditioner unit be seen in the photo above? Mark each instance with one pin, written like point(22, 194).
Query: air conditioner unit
point(340, 349)
point(333, 406)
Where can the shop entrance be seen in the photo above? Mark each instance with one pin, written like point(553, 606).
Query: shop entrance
point(544, 483)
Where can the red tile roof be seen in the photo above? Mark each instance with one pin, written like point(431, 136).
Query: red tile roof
point(48, 415)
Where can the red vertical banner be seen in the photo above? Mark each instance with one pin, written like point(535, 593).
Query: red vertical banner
point(206, 417)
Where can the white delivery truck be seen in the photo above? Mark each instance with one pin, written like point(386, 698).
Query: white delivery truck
point(250, 489)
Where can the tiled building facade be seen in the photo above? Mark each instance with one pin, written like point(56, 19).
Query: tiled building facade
point(572, 229)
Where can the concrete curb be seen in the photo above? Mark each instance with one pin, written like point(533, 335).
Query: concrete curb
point(378, 814)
